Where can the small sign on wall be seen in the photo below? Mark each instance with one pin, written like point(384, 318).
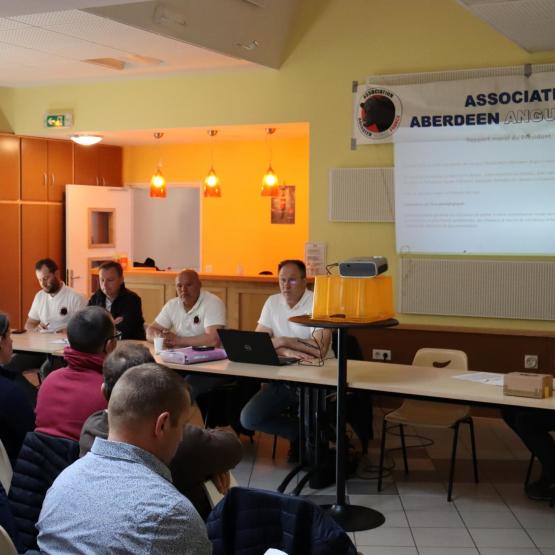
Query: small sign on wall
point(283, 205)
point(60, 120)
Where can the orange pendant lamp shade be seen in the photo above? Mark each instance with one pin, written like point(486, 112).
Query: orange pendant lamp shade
point(158, 185)
point(212, 181)
point(270, 179)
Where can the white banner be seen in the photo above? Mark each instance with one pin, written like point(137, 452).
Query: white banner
point(453, 109)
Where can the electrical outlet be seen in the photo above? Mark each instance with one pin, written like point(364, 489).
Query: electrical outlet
point(381, 354)
point(531, 362)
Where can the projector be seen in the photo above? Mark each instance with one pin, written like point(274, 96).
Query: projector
point(363, 267)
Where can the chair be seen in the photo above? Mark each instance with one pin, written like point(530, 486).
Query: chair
point(429, 414)
point(6, 545)
point(6, 471)
point(252, 521)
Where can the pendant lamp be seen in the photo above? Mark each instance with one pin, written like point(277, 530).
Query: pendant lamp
point(212, 181)
point(270, 179)
point(157, 181)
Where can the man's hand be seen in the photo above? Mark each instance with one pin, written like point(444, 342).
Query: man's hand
point(170, 339)
point(221, 481)
point(118, 320)
point(307, 347)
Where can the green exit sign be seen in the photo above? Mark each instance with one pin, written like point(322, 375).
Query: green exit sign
point(58, 121)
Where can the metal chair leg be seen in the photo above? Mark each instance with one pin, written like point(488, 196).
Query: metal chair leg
point(473, 445)
point(274, 447)
point(404, 448)
point(453, 456)
point(382, 454)
point(529, 471)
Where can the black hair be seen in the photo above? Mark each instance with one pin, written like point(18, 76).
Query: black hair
point(123, 357)
point(89, 329)
point(299, 263)
point(112, 264)
point(49, 263)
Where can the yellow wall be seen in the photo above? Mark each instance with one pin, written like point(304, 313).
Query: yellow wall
point(236, 228)
point(343, 40)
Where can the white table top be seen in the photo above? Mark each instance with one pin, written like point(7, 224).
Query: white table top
point(403, 379)
point(35, 342)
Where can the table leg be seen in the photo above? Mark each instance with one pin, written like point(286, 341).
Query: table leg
point(350, 517)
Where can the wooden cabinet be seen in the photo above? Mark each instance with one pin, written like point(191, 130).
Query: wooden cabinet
point(10, 270)
point(41, 237)
point(9, 162)
point(46, 168)
point(98, 165)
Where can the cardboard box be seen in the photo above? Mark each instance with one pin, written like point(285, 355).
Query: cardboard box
point(527, 384)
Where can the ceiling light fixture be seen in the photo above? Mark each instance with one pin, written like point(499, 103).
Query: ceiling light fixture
point(85, 139)
point(270, 179)
point(157, 181)
point(212, 181)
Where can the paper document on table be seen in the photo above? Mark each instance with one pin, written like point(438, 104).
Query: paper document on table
point(62, 341)
point(489, 378)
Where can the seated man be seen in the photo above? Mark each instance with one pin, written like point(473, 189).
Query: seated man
point(270, 409)
point(534, 427)
point(16, 414)
point(124, 305)
point(191, 319)
point(51, 310)
point(201, 455)
point(68, 396)
point(119, 497)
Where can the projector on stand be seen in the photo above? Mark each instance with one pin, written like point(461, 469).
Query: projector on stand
point(370, 266)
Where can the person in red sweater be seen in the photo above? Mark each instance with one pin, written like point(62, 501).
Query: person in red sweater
point(68, 396)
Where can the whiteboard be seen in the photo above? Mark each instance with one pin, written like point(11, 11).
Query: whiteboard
point(167, 229)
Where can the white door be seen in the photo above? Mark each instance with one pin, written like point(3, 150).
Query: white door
point(98, 227)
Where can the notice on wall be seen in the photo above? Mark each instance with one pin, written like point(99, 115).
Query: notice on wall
point(315, 258)
point(283, 205)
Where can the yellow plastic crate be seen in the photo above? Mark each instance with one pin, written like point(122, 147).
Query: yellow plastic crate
point(342, 299)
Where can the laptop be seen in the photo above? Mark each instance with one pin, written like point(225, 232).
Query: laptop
point(253, 347)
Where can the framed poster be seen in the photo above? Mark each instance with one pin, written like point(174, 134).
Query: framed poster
point(283, 205)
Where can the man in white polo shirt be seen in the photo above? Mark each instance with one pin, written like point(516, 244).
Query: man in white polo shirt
point(272, 410)
point(52, 308)
point(192, 319)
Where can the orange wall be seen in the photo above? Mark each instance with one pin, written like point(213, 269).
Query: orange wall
point(236, 228)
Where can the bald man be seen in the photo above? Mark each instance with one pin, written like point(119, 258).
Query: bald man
point(191, 319)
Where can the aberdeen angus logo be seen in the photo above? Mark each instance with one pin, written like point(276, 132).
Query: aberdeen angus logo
point(380, 113)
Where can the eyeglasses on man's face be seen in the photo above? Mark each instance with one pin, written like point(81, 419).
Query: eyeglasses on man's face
point(289, 281)
point(116, 337)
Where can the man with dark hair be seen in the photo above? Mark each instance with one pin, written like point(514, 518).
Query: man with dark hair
point(201, 455)
point(51, 310)
point(271, 408)
point(123, 304)
point(119, 497)
point(68, 396)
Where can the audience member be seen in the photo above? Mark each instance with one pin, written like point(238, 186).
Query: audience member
point(191, 319)
point(51, 310)
point(68, 396)
point(202, 454)
point(534, 427)
point(124, 305)
point(119, 497)
point(16, 414)
point(273, 408)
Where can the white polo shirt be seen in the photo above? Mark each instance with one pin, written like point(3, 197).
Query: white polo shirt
point(276, 313)
point(209, 310)
point(56, 310)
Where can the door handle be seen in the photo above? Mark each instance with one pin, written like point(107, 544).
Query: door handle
point(53, 179)
point(45, 178)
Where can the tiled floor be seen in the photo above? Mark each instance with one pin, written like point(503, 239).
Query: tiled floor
point(493, 517)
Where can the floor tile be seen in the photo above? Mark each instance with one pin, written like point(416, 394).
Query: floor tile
point(494, 519)
point(434, 519)
point(543, 537)
point(442, 537)
point(426, 502)
point(500, 537)
point(385, 537)
point(508, 551)
point(447, 551)
point(369, 550)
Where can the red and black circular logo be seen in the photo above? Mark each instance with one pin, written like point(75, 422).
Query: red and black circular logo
point(380, 113)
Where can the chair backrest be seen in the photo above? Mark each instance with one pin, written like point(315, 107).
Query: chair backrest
point(441, 358)
point(251, 521)
point(6, 545)
point(6, 471)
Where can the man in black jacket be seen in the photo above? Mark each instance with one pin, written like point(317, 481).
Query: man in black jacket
point(124, 305)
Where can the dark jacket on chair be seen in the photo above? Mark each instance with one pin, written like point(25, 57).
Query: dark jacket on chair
point(249, 521)
point(40, 460)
